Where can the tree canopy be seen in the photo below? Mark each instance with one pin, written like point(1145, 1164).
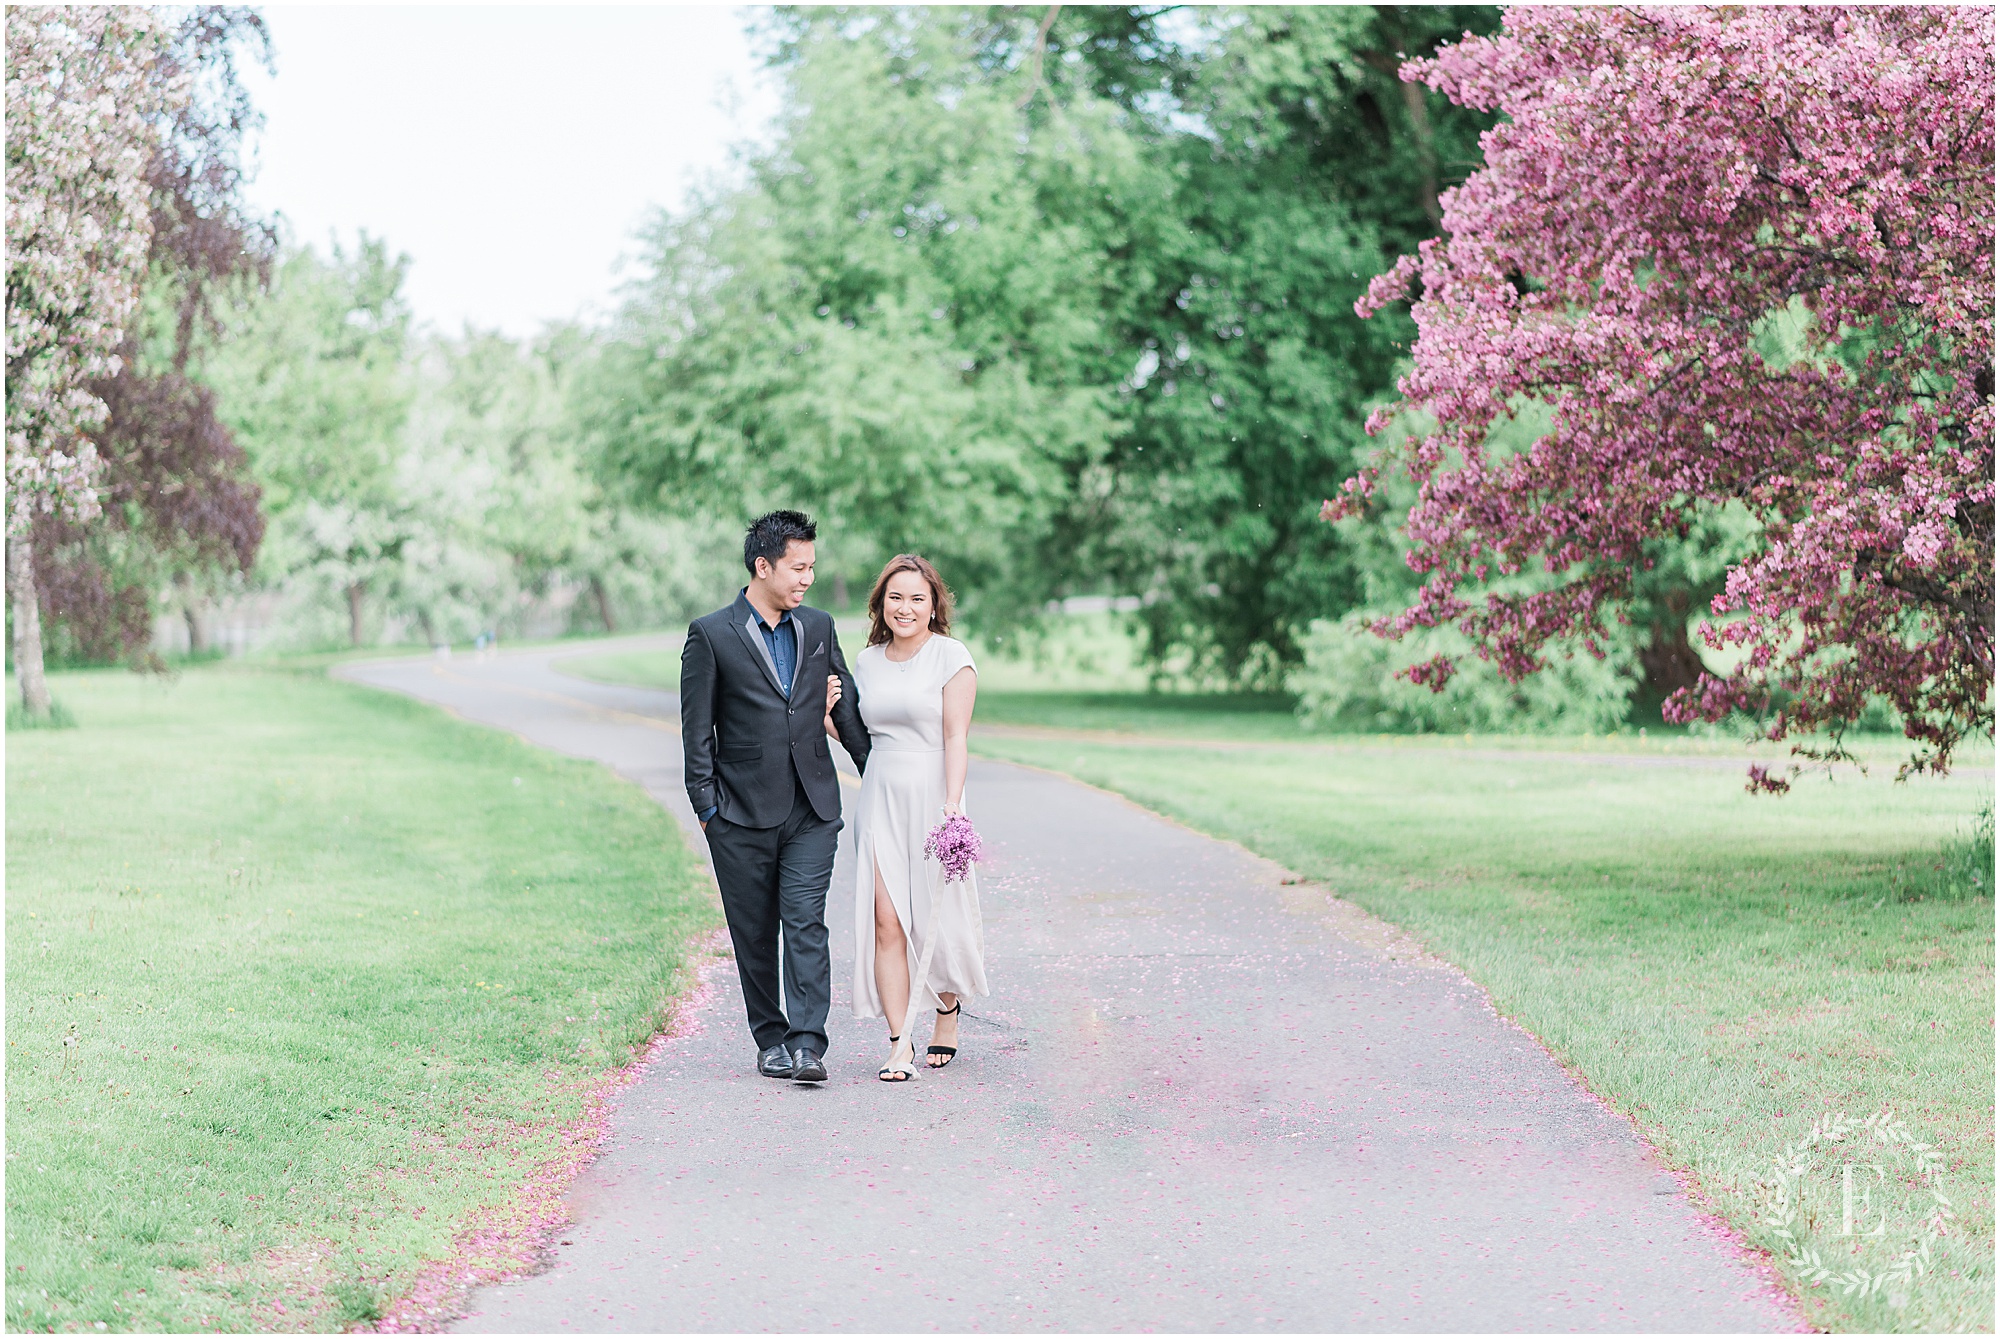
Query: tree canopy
point(125, 128)
point(1741, 259)
point(1091, 300)
point(87, 90)
point(1065, 302)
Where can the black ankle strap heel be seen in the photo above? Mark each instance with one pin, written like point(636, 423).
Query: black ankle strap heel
point(946, 1051)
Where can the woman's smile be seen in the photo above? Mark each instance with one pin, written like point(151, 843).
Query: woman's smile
point(908, 608)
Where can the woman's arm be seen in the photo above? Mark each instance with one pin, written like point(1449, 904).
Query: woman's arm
point(832, 700)
point(958, 695)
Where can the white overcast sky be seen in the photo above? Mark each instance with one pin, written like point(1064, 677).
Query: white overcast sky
point(510, 151)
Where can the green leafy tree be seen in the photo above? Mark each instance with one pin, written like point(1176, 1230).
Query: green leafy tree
point(1302, 162)
point(1063, 298)
point(314, 382)
point(501, 513)
point(900, 321)
point(426, 485)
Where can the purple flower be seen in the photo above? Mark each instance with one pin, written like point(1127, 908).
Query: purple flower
point(955, 844)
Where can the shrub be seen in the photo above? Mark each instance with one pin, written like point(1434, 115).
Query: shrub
point(1348, 682)
point(1964, 866)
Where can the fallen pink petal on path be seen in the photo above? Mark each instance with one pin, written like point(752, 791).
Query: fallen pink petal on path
point(515, 1238)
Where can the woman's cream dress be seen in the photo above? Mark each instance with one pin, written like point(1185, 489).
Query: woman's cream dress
point(902, 799)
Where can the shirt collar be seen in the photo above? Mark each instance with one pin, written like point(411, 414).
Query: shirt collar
point(784, 615)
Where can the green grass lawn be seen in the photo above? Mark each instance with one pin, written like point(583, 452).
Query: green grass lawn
point(1720, 966)
point(302, 978)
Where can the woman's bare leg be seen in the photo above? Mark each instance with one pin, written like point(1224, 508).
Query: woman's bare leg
point(892, 960)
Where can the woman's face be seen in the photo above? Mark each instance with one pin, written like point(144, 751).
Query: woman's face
point(906, 605)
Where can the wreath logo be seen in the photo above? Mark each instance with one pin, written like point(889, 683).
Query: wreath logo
point(1858, 1165)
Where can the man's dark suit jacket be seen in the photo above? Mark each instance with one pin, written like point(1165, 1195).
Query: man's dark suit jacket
point(737, 725)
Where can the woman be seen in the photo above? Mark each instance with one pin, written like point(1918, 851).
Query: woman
point(916, 686)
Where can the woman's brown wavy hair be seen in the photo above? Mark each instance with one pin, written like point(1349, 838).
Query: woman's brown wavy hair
point(878, 627)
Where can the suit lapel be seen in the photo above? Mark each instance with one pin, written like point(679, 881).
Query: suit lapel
point(747, 628)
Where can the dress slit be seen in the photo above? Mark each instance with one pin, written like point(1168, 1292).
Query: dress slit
point(905, 909)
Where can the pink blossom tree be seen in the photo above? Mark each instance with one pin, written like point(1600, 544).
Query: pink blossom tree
point(1741, 256)
point(86, 90)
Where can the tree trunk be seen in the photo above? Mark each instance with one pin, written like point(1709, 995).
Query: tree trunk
point(355, 591)
point(1427, 164)
point(1669, 659)
point(191, 612)
point(1391, 64)
point(839, 591)
point(27, 626)
point(603, 599)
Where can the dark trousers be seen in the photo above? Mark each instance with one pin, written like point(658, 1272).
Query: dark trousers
point(773, 880)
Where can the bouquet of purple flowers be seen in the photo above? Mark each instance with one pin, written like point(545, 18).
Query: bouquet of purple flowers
point(955, 843)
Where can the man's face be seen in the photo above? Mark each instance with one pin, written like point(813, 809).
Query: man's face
point(788, 580)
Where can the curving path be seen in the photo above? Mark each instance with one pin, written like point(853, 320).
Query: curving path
point(1199, 1101)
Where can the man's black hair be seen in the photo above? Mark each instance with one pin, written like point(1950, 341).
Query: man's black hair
point(772, 533)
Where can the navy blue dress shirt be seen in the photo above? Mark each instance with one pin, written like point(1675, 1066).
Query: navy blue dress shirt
point(783, 641)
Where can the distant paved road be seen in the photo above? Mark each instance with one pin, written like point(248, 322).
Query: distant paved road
point(1197, 1101)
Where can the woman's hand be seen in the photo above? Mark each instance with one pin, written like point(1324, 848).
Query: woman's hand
point(832, 697)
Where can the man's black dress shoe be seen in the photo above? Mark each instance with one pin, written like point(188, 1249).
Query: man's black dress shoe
point(776, 1063)
point(807, 1067)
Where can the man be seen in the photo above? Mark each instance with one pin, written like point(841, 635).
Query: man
point(761, 779)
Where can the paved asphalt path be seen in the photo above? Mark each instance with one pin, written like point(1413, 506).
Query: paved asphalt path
point(1198, 1100)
